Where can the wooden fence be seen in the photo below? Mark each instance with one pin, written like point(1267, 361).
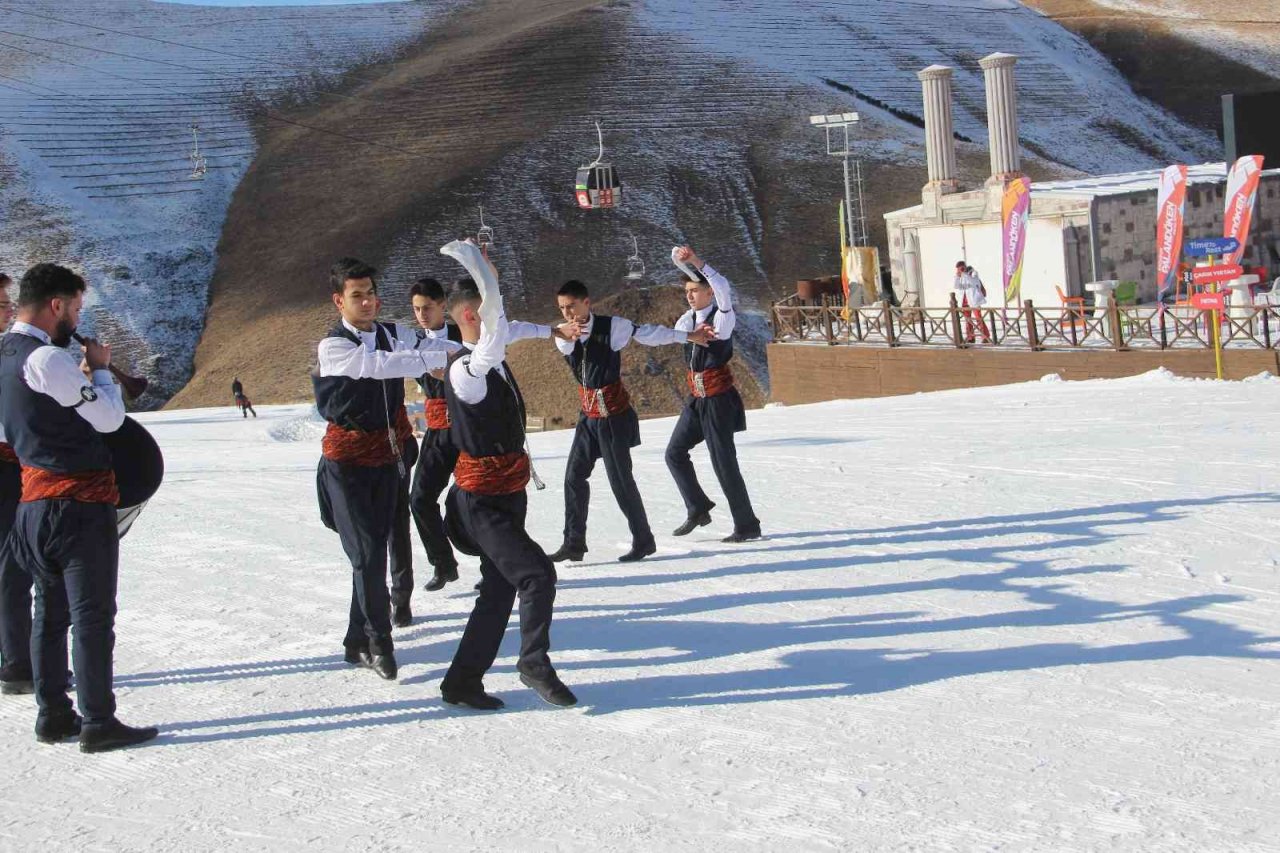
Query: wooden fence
point(1117, 327)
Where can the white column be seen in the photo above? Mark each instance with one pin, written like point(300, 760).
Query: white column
point(939, 128)
point(1002, 117)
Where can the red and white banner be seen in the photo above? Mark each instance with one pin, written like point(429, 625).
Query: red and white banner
point(1171, 205)
point(1242, 192)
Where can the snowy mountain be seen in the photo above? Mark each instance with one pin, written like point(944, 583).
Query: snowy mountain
point(456, 104)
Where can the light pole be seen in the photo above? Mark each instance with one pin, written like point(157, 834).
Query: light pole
point(841, 123)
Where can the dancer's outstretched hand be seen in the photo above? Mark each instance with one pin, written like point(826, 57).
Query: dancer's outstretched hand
point(702, 335)
point(687, 255)
point(568, 331)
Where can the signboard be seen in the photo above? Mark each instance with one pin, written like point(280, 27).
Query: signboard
point(1209, 301)
point(1207, 275)
point(1216, 246)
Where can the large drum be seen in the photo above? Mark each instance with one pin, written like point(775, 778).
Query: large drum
point(139, 467)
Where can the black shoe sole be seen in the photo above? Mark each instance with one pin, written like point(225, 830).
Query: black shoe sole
point(462, 702)
point(638, 555)
point(701, 521)
point(528, 682)
point(111, 746)
point(571, 556)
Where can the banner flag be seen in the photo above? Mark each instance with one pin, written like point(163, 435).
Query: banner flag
point(1171, 206)
point(1016, 215)
point(1242, 192)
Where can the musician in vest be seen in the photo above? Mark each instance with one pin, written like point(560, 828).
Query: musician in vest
point(485, 508)
point(15, 584)
point(438, 455)
point(64, 532)
point(359, 387)
point(714, 410)
point(608, 426)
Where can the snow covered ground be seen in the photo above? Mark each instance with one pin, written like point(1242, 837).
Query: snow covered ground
point(1033, 617)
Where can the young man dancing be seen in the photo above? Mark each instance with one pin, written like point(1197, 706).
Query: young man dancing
point(64, 532)
point(438, 455)
point(714, 410)
point(15, 584)
point(359, 387)
point(485, 509)
point(608, 426)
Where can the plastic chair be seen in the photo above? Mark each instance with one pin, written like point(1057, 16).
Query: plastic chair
point(1072, 307)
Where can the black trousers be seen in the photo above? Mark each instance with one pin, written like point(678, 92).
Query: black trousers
point(713, 420)
point(511, 565)
point(430, 478)
point(15, 582)
point(401, 554)
point(359, 503)
point(73, 551)
point(611, 440)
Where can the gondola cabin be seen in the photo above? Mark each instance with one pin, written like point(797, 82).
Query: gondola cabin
point(598, 187)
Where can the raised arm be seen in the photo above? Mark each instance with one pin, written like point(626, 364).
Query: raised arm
point(491, 349)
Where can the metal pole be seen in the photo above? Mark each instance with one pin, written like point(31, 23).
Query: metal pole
point(848, 199)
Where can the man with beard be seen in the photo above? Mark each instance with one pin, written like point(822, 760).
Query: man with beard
point(64, 532)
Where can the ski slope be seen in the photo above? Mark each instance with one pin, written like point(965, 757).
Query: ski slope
point(1037, 617)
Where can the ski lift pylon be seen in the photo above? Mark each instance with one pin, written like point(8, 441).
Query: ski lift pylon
point(635, 264)
point(199, 165)
point(484, 237)
point(598, 185)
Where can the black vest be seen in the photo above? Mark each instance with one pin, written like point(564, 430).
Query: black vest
point(596, 364)
point(44, 433)
point(495, 425)
point(364, 404)
point(432, 387)
point(715, 354)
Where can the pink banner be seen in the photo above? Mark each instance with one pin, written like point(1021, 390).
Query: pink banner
point(1171, 205)
point(1242, 191)
point(1016, 214)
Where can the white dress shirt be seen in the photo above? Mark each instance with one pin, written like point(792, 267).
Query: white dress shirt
point(622, 331)
point(410, 356)
point(52, 370)
point(725, 321)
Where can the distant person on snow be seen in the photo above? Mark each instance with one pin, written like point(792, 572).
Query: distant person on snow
point(714, 410)
point(973, 295)
point(608, 426)
point(368, 448)
point(242, 402)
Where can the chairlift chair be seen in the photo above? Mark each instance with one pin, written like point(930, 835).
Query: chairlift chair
point(635, 264)
point(597, 185)
point(484, 237)
point(199, 165)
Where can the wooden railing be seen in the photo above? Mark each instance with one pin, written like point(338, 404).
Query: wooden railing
point(1116, 327)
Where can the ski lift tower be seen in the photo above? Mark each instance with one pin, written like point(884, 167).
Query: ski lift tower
point(837, 126)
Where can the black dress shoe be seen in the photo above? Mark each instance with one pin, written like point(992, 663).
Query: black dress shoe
point(58, 727)
point(568, 552)
point(385, 666)
point(358, 656)
point(113, 735)
point(742, 536)
point(638, 552)
point(475, 698)
point(401, 616)
point(16, 680)
point(551, 689)
point(440, 577)
point(698, 519)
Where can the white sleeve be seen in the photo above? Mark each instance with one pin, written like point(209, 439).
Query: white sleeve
point(518, 330)
point(657, 336)
point(565, 347)
point(51, 370)
point(468, 374)
point(620, 332)
point(687, 321)
point(341, 357)
point(725, 320)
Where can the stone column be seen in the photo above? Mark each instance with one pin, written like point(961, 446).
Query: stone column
point(939, 128)
point(1002, 117)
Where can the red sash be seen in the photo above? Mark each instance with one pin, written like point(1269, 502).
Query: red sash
point(436, 410)
point(603, 402)
point(91, 487)
point(711, 383)
point(492, 475)
point(7, 454)
point(367, 449)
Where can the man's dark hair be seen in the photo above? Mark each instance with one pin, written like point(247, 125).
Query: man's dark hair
point(961, 264)
point(350, 269)
point(465, 293)
point(574, 289)
point(5, 281)
point(428, 287)
point(48, 281)
point(696, 278)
